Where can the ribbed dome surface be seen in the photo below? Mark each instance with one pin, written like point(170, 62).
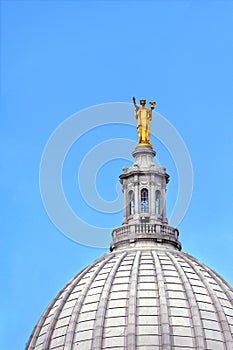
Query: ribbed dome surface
point(139, 299)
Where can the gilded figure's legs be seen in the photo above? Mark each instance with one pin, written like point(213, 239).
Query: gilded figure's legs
point(139, 134)
point(143, 135)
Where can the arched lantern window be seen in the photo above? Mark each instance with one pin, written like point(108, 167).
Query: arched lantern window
point(131, 203)
point(144, 201)
point(157, 202)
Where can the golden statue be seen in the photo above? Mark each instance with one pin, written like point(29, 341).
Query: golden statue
point(143, 116)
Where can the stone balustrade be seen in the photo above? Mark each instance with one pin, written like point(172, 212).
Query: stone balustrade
point(135, 232)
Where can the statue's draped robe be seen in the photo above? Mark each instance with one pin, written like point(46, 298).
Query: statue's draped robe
point(143, 116)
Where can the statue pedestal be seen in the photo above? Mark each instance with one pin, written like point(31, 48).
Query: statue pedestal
point(143, 156)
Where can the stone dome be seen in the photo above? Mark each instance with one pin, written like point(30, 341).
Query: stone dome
point(139, 298)
point(145, 294)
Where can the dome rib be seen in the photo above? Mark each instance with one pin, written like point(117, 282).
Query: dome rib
point(224, 285)
point(35, 334)
point(73, 284)
point(33, 340)
point(194, 310)
point(225, 328)
point(69, 341)
point(100, 315)
point(164, 312)
point(227, 291)
point(132, 309)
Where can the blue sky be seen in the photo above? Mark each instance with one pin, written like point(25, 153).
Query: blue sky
point(60, 57)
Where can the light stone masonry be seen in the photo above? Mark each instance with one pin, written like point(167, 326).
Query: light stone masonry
point(145, 294)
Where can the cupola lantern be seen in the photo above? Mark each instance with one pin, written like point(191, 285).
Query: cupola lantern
point(144, 188)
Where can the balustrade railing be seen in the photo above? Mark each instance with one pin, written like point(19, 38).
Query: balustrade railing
point(147, 229)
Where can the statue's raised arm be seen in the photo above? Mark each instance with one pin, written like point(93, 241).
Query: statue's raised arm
point(134, 102)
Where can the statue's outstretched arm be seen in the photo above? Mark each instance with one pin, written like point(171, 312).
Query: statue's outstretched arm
point(134, 102)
